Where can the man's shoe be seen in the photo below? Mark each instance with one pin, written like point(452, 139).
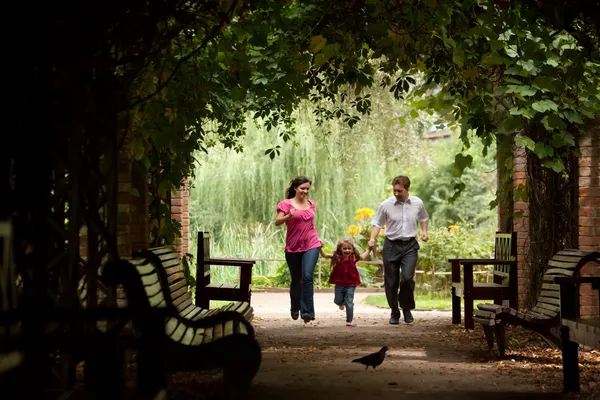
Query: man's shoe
point(408, 318)
point(394, 321)
point(295, 315)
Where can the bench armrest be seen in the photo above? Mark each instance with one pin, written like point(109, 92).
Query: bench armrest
point(230, 262)
point(483, 261)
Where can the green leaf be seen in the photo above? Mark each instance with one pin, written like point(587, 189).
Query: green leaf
point(573, 117)
point(320, 59)
point(461, 162)
point(331, 50)
point(544, 84)
point(134, 192)
point(414, 114)
point(544, 105)
point(317, 43)
point(524, 90)
point(138, 149)
point(525, 141)
point(543, 150)
point(458, 56)
point(492, 59)
point(430, 3)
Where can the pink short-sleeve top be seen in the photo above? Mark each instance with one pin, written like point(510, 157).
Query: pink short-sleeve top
point(301, 234)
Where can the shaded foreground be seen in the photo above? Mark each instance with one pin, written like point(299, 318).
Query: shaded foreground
point(426, 360)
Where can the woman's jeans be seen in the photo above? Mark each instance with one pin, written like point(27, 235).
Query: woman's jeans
point(344, 296)
point(302, 267)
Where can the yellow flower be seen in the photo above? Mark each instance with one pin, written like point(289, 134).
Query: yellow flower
point(453, 228)
point(353, 229)
point(363, 213)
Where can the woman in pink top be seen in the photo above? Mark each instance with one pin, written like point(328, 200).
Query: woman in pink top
point(302, 245)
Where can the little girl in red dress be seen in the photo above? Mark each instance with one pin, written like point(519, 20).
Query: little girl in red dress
point(344, 275)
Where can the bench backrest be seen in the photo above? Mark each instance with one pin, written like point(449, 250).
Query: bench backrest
point(567, 262)
point(505, 248)
point(169, 269)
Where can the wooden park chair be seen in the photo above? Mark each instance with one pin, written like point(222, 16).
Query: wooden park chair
point(206, 290)
point(503, 287)
point(544, 317)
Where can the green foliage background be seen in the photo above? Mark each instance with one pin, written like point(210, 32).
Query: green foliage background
point(234, 194)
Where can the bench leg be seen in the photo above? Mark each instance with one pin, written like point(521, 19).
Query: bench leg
point(241, 362)
point(455, 307)
point(500, 337)
point(489, 335)
point(570, 362)
point(469, 324)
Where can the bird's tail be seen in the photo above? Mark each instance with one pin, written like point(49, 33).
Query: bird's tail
point(356, 360)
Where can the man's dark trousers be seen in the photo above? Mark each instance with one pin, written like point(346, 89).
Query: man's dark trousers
point(399, 264)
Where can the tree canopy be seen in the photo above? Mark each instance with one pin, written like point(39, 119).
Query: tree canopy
point(520, 69)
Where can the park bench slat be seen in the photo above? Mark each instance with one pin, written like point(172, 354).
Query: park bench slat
point(559, 271)
point(550, 293)
point(175, 277)
point(186, 310)
point(544, 311)
point(562, 264)
point(550, 307)
point(550, 286)
point(571, 252)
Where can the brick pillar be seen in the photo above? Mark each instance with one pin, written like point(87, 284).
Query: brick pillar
point(133, 226)
point(180, 211)
point(133, 231)
point(589, 213)
point(521, 224)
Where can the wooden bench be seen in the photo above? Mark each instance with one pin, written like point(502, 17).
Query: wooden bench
point(574, 330)
point(544, 317)
point(207, 290)
point(198, 338)
point(504, 286)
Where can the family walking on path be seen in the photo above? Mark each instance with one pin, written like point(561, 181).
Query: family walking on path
point(399, 214)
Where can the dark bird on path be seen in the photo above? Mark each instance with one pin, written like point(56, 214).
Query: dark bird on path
point(372, 360)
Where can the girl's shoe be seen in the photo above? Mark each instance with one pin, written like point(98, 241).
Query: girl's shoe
point(342, 308)
point(350, 324)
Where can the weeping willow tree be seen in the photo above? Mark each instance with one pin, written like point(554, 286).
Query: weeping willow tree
point(350, 167)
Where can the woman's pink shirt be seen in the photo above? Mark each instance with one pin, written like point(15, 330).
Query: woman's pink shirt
point(301, 233)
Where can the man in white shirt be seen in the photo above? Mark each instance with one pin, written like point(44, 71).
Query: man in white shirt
point(400, 214)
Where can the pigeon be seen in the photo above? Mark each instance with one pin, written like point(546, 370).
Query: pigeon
point(372, 360)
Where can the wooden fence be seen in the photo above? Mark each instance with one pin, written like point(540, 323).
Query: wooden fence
point(433, 273)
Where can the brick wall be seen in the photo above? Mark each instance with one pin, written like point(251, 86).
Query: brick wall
point(589, 213)
point(521, 224)
point(180, 211)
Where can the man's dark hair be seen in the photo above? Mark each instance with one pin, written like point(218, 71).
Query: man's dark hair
point(401, 180)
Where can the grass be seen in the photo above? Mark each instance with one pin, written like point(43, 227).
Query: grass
point(421, 300)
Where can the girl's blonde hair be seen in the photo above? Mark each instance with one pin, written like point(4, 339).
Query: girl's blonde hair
point(337, 254)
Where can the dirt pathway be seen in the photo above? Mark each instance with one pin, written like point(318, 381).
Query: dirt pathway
point(430, 359)
point(424, 361)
